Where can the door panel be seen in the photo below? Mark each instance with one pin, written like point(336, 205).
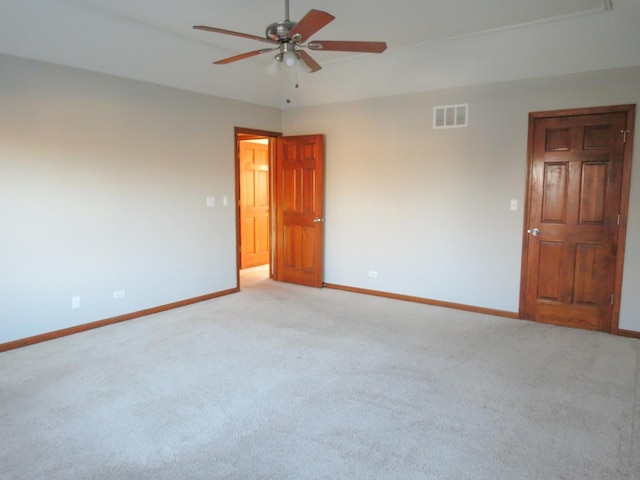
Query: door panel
point(554, 208)
point(550, 265)
point(298, 184)
point(593, 193)
point(590, 258)
point(575, 185)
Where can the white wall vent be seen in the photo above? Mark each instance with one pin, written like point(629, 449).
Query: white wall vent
point(451, 116)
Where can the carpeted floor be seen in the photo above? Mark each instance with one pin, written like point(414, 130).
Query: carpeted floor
point(287, 382)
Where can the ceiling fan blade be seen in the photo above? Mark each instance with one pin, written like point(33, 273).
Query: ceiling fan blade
point(311, 23)
point(347, 46)
point(242, 56)
point(309, 62)
point(231, 32)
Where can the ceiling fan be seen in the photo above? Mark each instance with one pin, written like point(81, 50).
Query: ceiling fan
point(289, 38)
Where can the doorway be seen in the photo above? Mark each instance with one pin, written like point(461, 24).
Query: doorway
point(280, 204)
point(579, 175)
point(255, 150)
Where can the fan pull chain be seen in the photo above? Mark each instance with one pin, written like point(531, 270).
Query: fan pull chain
point(296, 83)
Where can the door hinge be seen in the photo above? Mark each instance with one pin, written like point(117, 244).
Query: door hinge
point(624, 135)
point(618, 219)
point(612, 299)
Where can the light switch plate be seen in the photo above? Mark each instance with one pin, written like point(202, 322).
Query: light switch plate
point(211, 201)
point(514, 204)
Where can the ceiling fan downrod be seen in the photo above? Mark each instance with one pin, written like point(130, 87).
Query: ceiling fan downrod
point(279, 31)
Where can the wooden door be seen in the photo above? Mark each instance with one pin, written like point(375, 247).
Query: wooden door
point(254, 203)
point(299, 198)
point(570, 264)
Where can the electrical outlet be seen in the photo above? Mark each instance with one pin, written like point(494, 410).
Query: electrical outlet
point(118, 294)
point(75, 302)
point(373, 274)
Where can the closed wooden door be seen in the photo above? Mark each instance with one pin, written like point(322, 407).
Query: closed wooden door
point(299, 198)
point(574, 209)
point(254, 203)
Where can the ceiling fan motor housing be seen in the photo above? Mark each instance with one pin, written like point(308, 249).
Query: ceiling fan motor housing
point(279, 31)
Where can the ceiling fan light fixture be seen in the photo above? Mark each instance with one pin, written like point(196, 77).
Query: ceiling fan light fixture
point(274, 66)
point(290, 59)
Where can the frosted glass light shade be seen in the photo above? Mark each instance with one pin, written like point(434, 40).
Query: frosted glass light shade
point(273, 68)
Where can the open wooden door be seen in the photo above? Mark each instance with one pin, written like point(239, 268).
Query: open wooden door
point(299, 206)
point(579, 176)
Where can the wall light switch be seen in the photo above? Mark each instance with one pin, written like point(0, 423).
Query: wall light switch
point(514, 204)
point(211, 201)
point(225, 201)
point(75, 302)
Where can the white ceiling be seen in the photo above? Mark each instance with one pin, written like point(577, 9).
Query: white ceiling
point(432, 44)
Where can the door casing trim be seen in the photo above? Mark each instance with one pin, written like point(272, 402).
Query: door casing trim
point(237, 133)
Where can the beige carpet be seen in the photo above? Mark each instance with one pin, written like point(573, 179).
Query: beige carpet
point(287, 382)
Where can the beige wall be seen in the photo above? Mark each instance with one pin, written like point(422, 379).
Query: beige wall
point(102, 188)
point(429, 209)
point(103, 184)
